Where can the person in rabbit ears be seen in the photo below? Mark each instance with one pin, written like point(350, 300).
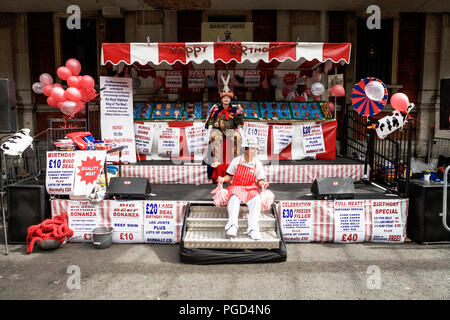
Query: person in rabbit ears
point(247, 175)
point(224, 121)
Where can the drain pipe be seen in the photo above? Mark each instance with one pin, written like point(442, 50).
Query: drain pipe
point(444, 201)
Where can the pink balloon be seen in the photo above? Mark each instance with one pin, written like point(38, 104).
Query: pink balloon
point(74, 81)
point(338, 90)
point(47, 90)
point(57, 85)
point(58, 94)
point(74, 66)
point(63, 73)
point(330, 106)
point(73, 94)
point(51, 102)
point(45, 78)
point(68, 107)
point(87, 82)
point(400, 102)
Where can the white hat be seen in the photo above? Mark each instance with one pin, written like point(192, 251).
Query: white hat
point(252, 142)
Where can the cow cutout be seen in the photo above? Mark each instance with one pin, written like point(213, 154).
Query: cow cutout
point(17, 144)
point(385, 126)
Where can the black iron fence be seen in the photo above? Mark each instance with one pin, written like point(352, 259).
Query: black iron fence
point(387, 161)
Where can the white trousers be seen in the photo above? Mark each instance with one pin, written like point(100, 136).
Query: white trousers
point(254, 211)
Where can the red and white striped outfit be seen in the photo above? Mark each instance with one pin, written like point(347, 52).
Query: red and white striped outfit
point(244, 182)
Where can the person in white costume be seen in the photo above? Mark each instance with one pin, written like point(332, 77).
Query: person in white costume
point(247, 175)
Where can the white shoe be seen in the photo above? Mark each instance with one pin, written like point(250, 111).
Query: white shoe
point(232, 231)
point(255, 235)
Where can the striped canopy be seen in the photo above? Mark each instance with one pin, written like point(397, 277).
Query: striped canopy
point(235, 55)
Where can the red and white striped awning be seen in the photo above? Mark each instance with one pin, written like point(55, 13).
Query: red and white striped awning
point(236, 55)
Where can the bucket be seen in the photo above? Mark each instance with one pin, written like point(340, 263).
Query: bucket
point(102, 237)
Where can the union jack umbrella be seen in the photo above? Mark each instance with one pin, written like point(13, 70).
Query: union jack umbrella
point(362, 103)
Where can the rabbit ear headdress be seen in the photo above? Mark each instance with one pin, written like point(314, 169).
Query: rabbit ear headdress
point(226, 89)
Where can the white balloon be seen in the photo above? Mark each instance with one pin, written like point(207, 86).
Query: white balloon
point(317, 89)
point(68, 107)
point(37, 87)
point(374, 90)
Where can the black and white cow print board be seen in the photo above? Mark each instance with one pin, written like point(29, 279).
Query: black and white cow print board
point(385, 126)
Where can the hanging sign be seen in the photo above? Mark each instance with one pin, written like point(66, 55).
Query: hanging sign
point(252, 79)
point(282, 137)
point(59, 176)
point(169, 142)
point(296, 219)
point(116, 107)
point(174, 81)
point(260, 131)
point(127, 221)
point(196, 139)
point(387, 223)
point(143, 135)
point(349, 221)
point(196, 79)
point(313, 141)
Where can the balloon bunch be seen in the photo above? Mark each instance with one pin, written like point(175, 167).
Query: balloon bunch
point(73, 99)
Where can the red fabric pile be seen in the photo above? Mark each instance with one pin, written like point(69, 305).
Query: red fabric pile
point(56, 228)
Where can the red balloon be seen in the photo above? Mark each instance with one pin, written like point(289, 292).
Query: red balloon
point(63, 73)
point(338, 90)
point(51, 102)
point(330, 106)
point(73, 94)
point(58, 94)
point(80, 106)
point(74, 66)
point(57, 85)
point(74, 81)
point(47, 90)
point(87, 82)
point(88, 94)
point(400, 102)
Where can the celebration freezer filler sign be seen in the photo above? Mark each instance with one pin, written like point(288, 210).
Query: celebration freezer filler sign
point(116, 106)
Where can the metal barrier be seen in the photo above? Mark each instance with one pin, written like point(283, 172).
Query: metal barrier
point(438, 147)
point(388, 159)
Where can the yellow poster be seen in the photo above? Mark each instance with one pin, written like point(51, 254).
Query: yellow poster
point(238, 31)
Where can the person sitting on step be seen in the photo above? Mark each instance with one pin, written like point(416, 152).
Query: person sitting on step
point(226, 122)
point(246, 174)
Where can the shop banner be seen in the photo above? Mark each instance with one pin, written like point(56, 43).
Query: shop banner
point(296, 220)
point(387, 224)
point(313, 141)
point(127, 221)
point(196, 79)
point(83, 218)
point(143, 135)
point(59, 176)
point(282, 137)
point(116, 107)
point(215, 31)
point(174, 81)
point(169, 142)
point(88, 166)
point(260, 131)
point(252, 79)
point(163, 221)
point(197, 139)
point(349, 221)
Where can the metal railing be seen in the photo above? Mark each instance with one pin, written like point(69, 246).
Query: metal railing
point(388, 159)
point(438, 147)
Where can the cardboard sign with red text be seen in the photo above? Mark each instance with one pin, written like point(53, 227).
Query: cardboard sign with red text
point(349, 221)
point(59, 176)
point(169, 142)
point(143, 135)
point(163, 221)
point(296, 220)
point(83, 218)
point(127, 220)
point(387, 222)
point(261, 132)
